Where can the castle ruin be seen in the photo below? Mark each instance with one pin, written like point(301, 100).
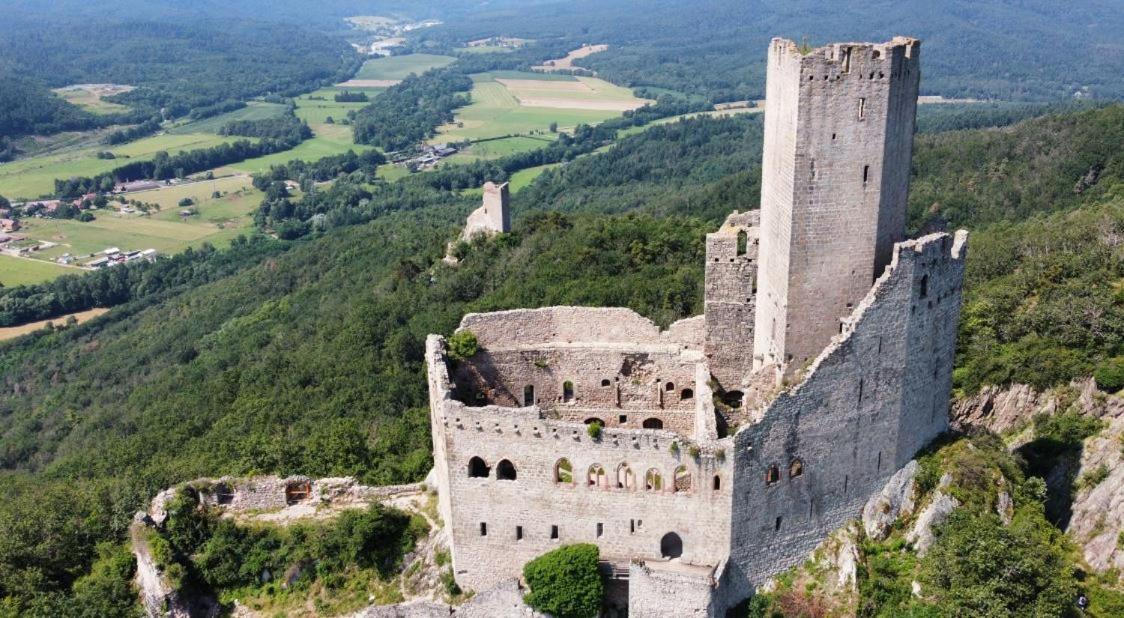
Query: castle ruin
point(731, 443)
point(494, 216)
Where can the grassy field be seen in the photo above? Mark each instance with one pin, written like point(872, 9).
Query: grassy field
point(522, 178)
point(500, 108)
point(20, 271)
point(254, 110)
point(316, 107)
point(33, 177)
point(218, 220)
point(398, 67)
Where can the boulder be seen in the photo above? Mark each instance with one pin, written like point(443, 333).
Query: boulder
point(895, 500)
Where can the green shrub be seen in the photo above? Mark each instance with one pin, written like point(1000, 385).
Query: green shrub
point(594, 430)
point(1110, 375)
point(566, 582)
point(463, 345)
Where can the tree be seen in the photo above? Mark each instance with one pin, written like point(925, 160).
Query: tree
point(566, 582)
point(1110, 375)
point(554, 127)
point(4, 203)
point(463, 344)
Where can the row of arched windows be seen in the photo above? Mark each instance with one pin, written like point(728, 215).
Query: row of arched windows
point(625, 479)
point(478, 468)
point(773, 473)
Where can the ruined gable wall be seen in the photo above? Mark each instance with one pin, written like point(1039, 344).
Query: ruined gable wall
point(494, 216)
point(523, 327)
point(605, 384)
point(731, 286)
point(633, 521)
point(849, 442)
point(829, 228)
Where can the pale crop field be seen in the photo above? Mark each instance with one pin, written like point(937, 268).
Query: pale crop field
point(89, 97)
point(525, 104)
point(11, 332)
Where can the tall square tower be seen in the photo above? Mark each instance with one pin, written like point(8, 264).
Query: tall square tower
point(839, 123)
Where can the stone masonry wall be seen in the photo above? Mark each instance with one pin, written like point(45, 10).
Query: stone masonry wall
point(867, 404)
point(834, 186)
point(731, 286)
point(498, 525)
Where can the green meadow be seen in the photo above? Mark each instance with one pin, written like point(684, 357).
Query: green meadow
point(21, 271)
point(254, 110)
point(35, 176)
point(398, 67)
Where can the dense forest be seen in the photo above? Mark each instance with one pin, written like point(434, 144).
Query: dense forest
point(1032, 50)
point(411, 111)
point(308, 360)
point(177, 67)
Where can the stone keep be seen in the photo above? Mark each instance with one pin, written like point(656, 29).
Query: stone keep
point(839, 124)
point(494, 216)
point(708, 475)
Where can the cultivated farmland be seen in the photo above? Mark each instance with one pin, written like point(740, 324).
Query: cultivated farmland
point(389, 70)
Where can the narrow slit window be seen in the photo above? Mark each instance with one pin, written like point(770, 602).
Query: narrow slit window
point(529, 395)
point(777, 526)
point(600, 529)
point(862, 108)
point(743, 245)
point(518, 533)
point(866, 173)
point(483, 529)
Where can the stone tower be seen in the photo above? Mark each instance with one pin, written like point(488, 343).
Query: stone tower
point(494, 216)
point(839, 126)
point(731, 282)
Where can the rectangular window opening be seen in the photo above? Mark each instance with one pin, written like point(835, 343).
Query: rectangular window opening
point(632, 526)
point(483, 529)
point(554, 533)
point(518, 533)
point(777, 526)
point(600, 529)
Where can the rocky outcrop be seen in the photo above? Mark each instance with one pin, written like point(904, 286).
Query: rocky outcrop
point(896, 500)
point(504, 600)
point(1001, 409)
point(1097, 519)
point(935, 513)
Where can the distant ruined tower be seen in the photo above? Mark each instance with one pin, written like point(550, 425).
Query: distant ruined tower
point(839, 126)
point(731, 282)
point(494, 217)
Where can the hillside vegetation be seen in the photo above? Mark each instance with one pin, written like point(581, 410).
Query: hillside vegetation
point(310, 361)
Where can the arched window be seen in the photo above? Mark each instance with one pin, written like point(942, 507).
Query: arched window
point(605, 382)
point(652, 423)
point(653, 481)
point(795, 469)
point(686, 394)
point(682, 481)
point(593, 419)
point(563, 471)
point(743, 242)
point(596, 476)
point(224, 494)
point(625, 478)
point(567, 391)
point(477, 469)
point(772, 475)
point(732, 399)
point(529, 395)
point(670, 386)
point(717, 483)
point(671, 546)
point(505, 470)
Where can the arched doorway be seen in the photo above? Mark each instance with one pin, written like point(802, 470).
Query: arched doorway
point(671, 546)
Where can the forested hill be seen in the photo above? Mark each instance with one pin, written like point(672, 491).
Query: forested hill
point(989, 49)
point(310, 360)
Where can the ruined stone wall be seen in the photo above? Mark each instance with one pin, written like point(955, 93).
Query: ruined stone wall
point(658, 589)
point(874, 396)
point(838, 139)
point(729, 300)
point(600, 325)
point(625, 522)
point(616, 386)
